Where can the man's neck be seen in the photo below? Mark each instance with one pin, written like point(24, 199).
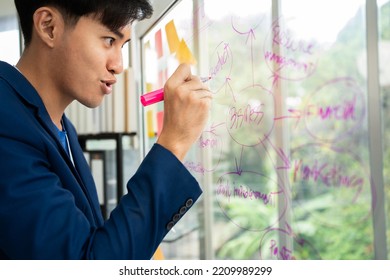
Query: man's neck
point(37, 72)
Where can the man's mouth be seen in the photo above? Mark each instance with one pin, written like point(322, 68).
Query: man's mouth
point(107, 86)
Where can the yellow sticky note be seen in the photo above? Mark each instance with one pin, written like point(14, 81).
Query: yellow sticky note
point(184, 55)
point(172, 37)
point(149, 87)
point(150, 123)
point(147, 45)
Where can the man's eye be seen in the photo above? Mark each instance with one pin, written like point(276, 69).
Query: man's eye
point(110, 41)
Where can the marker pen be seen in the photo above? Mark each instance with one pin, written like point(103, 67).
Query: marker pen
point(158, 95)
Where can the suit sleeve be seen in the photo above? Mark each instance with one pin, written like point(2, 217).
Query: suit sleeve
point(159, 194)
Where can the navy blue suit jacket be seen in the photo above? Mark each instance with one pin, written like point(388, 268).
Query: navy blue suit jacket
point(49, 208)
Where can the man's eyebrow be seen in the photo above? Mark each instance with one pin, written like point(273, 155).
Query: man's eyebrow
point(118, 33)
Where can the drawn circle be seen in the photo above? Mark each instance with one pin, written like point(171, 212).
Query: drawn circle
point(288, 55)
point(208, 152)
point(250, 200)
point(250, 118)
point(329, 184)
point(221, 67)
point(334, 110)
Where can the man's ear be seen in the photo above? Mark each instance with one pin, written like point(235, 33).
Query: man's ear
point(48, 25)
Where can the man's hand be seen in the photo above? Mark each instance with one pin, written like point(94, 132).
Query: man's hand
point(187, 103)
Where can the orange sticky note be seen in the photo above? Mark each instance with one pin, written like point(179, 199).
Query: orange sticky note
point(184, 55)
point(158, 255)
point(172, 37)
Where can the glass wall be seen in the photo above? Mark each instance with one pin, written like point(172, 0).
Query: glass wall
point(329, 174)
point(174, 31)
point(285, 158)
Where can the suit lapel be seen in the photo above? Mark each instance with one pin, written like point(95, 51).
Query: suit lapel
point(82, 167)
point(30, 96)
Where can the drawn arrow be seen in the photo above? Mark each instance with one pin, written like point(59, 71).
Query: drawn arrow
point(295, 114)
point(214, 127)
point(250, 37)
point(286, 164)
point(239, 164)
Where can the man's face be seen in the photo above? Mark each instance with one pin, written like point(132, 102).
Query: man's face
point(87, 60)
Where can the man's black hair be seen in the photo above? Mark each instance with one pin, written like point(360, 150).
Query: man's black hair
point(114, 14)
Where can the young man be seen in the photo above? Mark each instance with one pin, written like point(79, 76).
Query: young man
point(48, 203)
